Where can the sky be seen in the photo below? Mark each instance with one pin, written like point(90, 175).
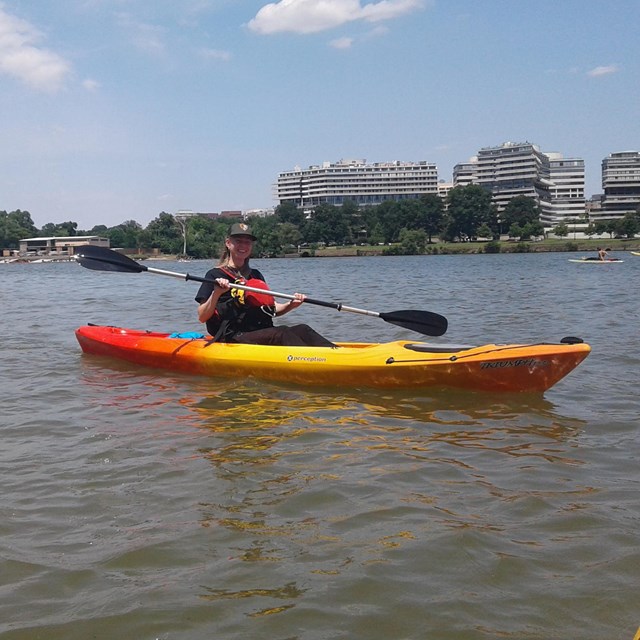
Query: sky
point(117, 110)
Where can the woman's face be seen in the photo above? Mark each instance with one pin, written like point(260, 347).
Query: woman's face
point(240, 246)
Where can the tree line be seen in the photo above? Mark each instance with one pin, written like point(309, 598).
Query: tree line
point(407, 226)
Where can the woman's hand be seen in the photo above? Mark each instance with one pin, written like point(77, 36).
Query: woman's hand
point(223, 283)
point(298, 299)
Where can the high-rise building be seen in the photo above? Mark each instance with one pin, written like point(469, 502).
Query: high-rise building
point(621, 184)
point(566, 191)
point(464, 173)
point(521, 169)
point(356, 181)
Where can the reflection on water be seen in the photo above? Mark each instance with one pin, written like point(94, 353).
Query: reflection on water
point(148, 504)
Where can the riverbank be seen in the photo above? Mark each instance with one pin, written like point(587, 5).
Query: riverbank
point(457, 248)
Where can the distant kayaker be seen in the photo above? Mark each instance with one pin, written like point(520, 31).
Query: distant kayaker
point(602, 254)
point(233, 315)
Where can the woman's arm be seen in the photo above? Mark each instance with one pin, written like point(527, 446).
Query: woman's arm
point(285, 307)
point(207, 308)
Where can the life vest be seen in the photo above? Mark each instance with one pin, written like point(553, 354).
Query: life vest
point(244, 311)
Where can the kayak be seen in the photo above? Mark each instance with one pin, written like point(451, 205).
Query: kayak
point(400, 364)
point(596, 260)
point(635, 253)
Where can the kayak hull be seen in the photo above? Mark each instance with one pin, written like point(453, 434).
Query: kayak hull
point(400, 364)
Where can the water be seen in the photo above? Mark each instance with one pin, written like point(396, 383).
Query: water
point(139, 504)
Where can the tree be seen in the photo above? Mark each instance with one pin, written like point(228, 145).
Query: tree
point(288, 235)
point(205, 237)
point(628, 226)
point(413, 241)
point(469, 208)
point(520, 210)
point(432, 214)
point(165, 234)
point(16, 226)
point(485, 231)
point(561, 230)
point(329, 225)
point(289, 212)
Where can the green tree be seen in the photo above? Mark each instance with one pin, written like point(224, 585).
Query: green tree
point(561, 230)
point(520, 210)
point(165, 234)
point(469, 208)
point(266, 230)
point(205, 237)
point(327, 225)
point(413, 241)
point(485, 231)
point(432, 214)
point(628, 225)
point(15, 226)
point(289, 236)
point(515, 230)
point(289, 212)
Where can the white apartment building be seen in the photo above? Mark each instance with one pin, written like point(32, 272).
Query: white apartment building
point(621, 184)
point(566, 191)
point(521, 169)
point(357, 181)
point(465, 173)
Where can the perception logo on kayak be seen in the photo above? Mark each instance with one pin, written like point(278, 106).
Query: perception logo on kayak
point(305, 358)
point(526, 362)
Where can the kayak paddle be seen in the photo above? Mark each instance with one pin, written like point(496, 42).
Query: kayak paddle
point(103, 259)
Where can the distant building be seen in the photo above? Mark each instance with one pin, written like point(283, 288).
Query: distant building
point(465, 173)
point(621, 184)
point(444, 188)
point(566, 191)
point(57, 245)
point(356, 181)
point(521, 169)
point(258, 213)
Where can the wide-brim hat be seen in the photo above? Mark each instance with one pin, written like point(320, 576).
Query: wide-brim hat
point(241, 229)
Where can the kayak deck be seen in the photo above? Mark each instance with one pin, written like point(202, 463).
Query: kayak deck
point(401, 364)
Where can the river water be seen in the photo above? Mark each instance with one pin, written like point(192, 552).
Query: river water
point(142, 504)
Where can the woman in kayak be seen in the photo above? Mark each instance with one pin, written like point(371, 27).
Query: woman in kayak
point(233, 315)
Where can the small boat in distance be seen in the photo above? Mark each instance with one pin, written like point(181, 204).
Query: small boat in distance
point(591, 260)
point(635, 253)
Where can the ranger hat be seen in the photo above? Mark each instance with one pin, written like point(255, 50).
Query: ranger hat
point(241, 229)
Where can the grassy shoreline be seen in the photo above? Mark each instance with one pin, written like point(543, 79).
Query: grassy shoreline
point(449, 248)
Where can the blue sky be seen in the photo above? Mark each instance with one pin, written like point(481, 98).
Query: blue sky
point(116, 110)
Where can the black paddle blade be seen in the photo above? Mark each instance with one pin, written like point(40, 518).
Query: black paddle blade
point(425, 322)
point(103, 259)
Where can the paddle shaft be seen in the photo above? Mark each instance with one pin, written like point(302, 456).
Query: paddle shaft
point(275, 294)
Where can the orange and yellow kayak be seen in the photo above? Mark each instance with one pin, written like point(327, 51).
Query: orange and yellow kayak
point(401, 364)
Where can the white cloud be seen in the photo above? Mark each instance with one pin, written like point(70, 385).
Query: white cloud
point(216, 54)
point(146, 37)
point(603, 71)
point(21, 58)
point(341, 43)
point(312, 16)
point(91, 85)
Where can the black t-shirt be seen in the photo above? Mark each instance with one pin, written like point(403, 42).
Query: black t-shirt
point(248, 322)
